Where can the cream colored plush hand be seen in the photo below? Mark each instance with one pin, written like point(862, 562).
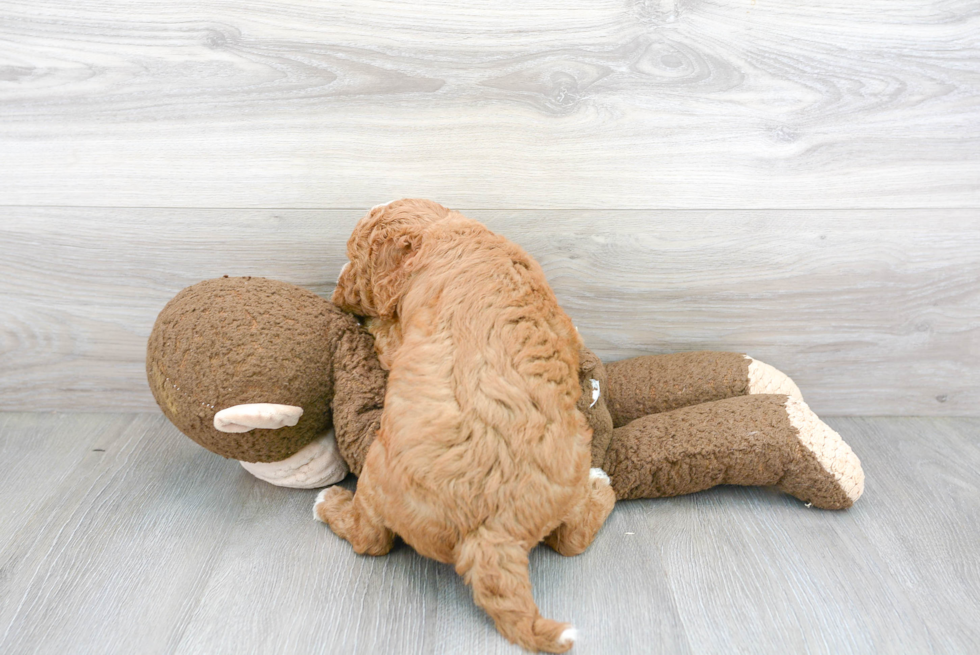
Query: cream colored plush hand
point(269, 416)
point(317, 464)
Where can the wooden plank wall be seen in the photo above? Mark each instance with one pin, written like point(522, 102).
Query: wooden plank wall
point(796, 180)
point(872, 312)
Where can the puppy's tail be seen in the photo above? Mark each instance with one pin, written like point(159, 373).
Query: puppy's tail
point(496, 568)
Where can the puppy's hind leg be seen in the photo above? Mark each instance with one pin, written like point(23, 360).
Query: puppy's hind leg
point(578, 530)
point(496, 567)
point(351, 518)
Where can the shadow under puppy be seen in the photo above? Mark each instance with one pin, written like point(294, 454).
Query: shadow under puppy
point(481, 453)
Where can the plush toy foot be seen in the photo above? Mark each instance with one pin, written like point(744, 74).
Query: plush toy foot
point(766, 379)
point(317, 464)
point(826, 473)
point(350, 520)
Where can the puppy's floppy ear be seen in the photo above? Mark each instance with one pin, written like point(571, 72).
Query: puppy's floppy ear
point(396, 249)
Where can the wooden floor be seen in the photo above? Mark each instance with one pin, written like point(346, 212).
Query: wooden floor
point(119, 535)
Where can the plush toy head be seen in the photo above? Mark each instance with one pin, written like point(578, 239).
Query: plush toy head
point(241, 340)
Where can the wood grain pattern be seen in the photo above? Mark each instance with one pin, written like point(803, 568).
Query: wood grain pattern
point(37, 466)
point(871, 312)
point(599, 104)
point(157, 546)
point(931, 519)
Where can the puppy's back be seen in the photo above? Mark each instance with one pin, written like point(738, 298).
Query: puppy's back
point(504, 320)
point(514, 370)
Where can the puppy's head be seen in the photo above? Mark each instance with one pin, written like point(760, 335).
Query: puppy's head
point(383, 252)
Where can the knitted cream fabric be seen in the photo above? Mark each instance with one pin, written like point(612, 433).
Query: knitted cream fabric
point(830, 451)
point(766, 379)
point(317, 464)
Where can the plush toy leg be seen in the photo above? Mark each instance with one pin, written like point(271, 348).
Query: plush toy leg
point(577, 532)
point(747, 440)
point(660, 383)
point(351, 518)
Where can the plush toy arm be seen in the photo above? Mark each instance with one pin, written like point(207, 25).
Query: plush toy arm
point(317, 464)
point(660, 383)
point(267, 416)
point(359, 392)
point(746, 440)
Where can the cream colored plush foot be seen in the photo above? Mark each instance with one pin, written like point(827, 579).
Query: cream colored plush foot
point(318, 464)
point(837, 461)
point(766, 379)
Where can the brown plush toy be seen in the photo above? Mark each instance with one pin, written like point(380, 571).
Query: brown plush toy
point(256, 370)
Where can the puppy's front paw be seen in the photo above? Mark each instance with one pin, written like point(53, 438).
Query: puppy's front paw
point(329, 502)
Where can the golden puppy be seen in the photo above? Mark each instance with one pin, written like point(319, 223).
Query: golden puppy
point(481, 452)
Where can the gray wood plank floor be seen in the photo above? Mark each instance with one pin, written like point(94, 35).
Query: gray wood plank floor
point(119, 535)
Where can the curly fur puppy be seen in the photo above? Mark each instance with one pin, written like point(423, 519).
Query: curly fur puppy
point(481, 452)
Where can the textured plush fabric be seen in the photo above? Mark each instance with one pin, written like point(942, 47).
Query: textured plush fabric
point(807, 480)
point(825, 472)
point(743, 440)
point(359, 393)
point(746, 440)
point(660, 383)
point(231, 341)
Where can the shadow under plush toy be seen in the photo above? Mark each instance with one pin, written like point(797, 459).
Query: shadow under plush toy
point(260, 371)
